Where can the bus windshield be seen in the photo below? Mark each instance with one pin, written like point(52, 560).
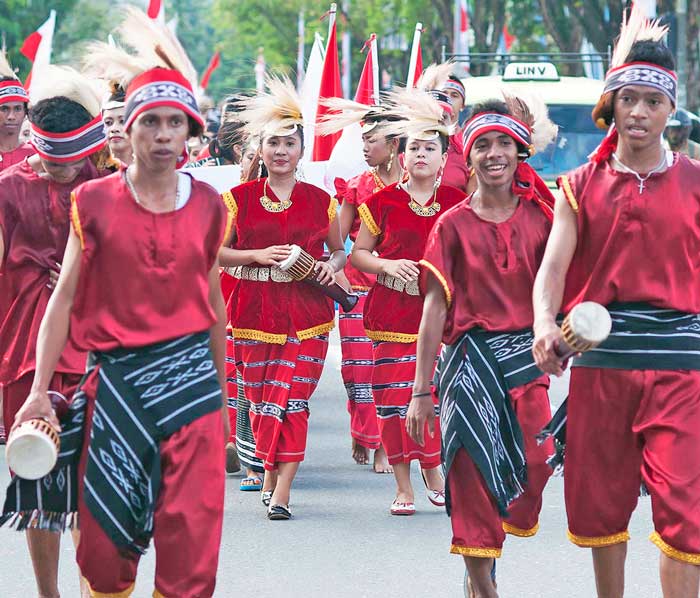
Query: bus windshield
point(577, 138)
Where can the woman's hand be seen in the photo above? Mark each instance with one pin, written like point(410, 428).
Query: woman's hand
point(547, 336)
point(342, 280)
point(54, 273)
point(325, 274)
point(420, 411)
point(406, 270)
point(273, 255)
point(37, 406)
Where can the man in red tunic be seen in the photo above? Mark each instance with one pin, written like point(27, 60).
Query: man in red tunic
point(626, 235)
point(34, 226)
point(139, 289)
point(13, 110)
point(478, 271)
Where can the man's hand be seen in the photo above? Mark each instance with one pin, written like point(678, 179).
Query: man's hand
point(37, 406)
point(547, 336)
point(421, 410)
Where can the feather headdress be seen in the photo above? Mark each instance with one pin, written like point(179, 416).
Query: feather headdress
point(6, 69)
point(52, 81)
point(435, 76)
point(344, 113)
point(275, 112)
point(532, 110)
point(418, 115)
point(145, 44)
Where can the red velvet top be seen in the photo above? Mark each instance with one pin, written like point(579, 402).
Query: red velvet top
point(356, 191)
point(271, 311)
point(636, 247)
point(144, 277)
point(487, 269)
point(391, 315)
point(456, 172)
point(35, 222)
point(18, 154)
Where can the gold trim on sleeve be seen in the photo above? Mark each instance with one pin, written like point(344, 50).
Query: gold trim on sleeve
point(332, 210)
point(368, 220)
point(674, 553)
point(75, 219)
point(484, 553)
point(569, 193)
point(230, 203)
point(441, 279)
point(598, 541)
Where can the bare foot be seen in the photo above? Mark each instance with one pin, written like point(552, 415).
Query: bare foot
point(360, 453)
point(433, 479)
point(381, 463)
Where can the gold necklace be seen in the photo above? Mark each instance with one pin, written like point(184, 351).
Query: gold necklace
point(275, 206)
point(425, 211)
point(378, 182)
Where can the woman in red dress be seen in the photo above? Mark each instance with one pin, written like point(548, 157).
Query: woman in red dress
point(382, 154)
point(280, 327)
point(396, 223)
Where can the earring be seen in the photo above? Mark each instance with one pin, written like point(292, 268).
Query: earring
point(389, 163)
point(299, 174)
point(260, 165)
point(438, 180)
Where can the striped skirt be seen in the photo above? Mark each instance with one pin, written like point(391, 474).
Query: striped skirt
point(245, 441)
point(278, 381)
point(392, 384)
point(231, 386)
point(356, 369)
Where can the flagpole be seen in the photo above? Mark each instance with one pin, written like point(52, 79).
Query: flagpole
point(414, 55)
point(375, 69)
point(457, 15)
point(331, 18)
point(345, 45)
point(301, 32)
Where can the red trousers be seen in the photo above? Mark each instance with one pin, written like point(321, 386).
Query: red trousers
point(392, 385)
point(15, 393)
point(356, 369)
point(625, 427)
point(279, 381)
point(477, 527)
point(187, 521)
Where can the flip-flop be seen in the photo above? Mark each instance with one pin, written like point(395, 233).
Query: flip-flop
point(402, 508)
point(436, 497)
point(254, 484)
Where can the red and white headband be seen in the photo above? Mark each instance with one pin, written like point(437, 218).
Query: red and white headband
point(160, 87)
point(71, 145)
point(12, 91)
point(645, 74)
point(492, 121)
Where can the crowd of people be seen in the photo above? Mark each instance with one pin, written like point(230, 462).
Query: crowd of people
point(171, 319)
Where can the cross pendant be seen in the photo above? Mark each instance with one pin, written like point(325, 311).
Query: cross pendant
point(641, 187)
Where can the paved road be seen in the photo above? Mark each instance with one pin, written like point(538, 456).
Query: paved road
point(342, 542)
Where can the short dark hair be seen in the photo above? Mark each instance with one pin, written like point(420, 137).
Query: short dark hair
point(14, 80)
point(59, 115)
point(654, 52)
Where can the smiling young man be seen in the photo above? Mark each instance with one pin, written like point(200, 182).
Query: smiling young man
point(478, 270)
point(626, 235)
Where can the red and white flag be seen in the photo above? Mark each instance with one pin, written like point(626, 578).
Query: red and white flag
point(214, 64)
point(156, 10)
point(37, 47)
point(368, 86)
point(330, 88)
point(415, 65)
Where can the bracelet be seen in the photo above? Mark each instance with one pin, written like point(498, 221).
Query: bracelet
point(417, 395)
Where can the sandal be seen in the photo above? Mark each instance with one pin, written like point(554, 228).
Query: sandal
point(251, 484)
point(279, 513)
point(266, 497)
point(402, 508)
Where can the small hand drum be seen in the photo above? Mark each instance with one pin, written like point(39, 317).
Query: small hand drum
point(586, 326)
point(32, 449)
point(300, 266)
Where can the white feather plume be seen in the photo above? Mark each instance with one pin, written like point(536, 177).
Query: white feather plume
point(635, 27)
point(279, 106)
point(531, 109)
point(52, 81)
point(435, 76)
point(418, 110)
point(343, 114)
point(6, 69)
